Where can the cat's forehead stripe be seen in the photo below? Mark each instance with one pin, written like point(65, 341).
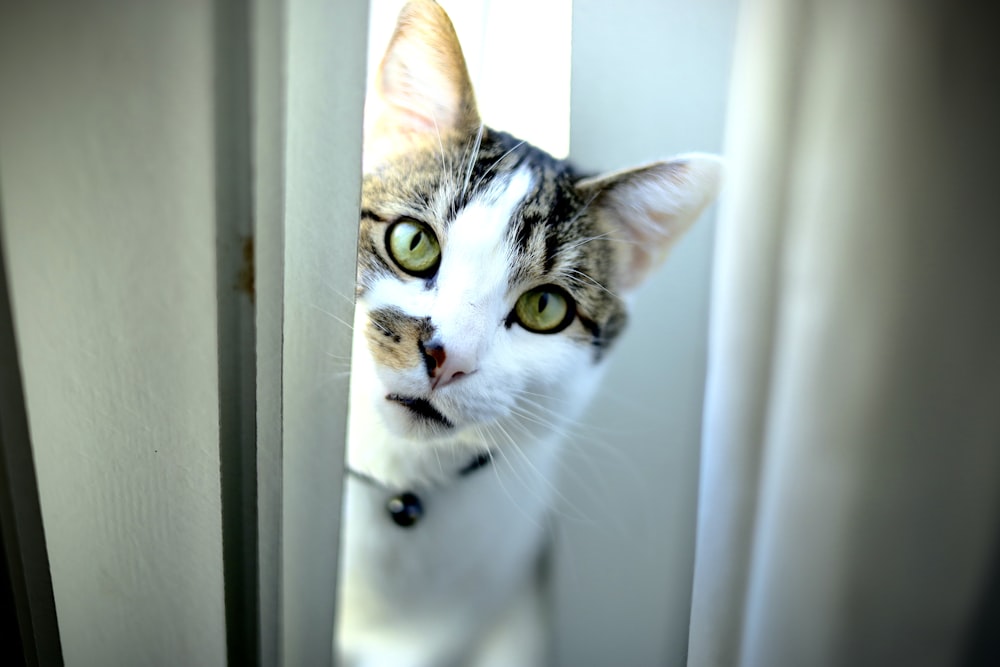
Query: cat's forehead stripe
point(479, 233)
point(497, 204)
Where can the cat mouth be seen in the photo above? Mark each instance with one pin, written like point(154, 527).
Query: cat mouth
point(422, 408)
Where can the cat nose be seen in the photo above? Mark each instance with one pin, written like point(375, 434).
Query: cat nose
point(443, 367)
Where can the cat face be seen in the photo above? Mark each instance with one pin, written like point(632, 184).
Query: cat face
point(484, 279)
point(491, 277)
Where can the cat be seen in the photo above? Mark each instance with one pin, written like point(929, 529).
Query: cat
point(492, 282)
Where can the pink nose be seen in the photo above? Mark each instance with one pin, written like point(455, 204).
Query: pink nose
point(444, 368)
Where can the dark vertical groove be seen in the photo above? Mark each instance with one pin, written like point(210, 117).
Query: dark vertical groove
point(27, 590)
point(12, 650)
point(981, 645)
point(237, 366)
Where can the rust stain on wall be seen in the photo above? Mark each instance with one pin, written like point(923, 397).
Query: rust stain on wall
point(245, 280)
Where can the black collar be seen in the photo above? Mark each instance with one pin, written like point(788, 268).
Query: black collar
point(405, 508)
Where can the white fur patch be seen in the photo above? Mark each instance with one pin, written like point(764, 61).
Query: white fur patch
point(472, 282)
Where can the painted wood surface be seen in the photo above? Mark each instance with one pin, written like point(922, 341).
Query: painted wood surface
point(325, 61)
point(108, 191)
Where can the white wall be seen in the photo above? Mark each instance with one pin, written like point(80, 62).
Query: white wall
point(107, 188)
point(649, 80)
point(518, 55)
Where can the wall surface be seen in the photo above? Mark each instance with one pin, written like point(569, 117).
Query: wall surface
point(107, 187)
point(649, 80)
point(520, 67)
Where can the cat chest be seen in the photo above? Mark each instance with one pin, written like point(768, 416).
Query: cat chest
point(471, 544)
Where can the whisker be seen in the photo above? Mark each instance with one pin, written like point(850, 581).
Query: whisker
point(579, 437)
point(565, 429)
point(474, 155)
point(330, 286)
point(591, 280)
point(437, 131)
point(583, 209)
point(493, 450)
point(381, 327)
point(499, 450)
point(437, 455)
point(496, 162)
point(531, 398)
point(579, 243)
point(334, 317)
point(537, 473)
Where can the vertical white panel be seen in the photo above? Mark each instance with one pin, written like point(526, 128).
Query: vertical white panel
point(268, 136)
point(325, 94)
point(107, 178)
point(649, 80)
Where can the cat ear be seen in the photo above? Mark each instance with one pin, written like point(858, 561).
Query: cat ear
point(422, 87)
point(652, 206)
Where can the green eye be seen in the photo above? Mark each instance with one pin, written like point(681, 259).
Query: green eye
point(413, 246)
point(545, 309)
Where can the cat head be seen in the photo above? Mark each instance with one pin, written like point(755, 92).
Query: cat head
point(492, 278)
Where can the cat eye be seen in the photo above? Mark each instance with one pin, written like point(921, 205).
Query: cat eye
point(414, 247)
point(545, 309)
